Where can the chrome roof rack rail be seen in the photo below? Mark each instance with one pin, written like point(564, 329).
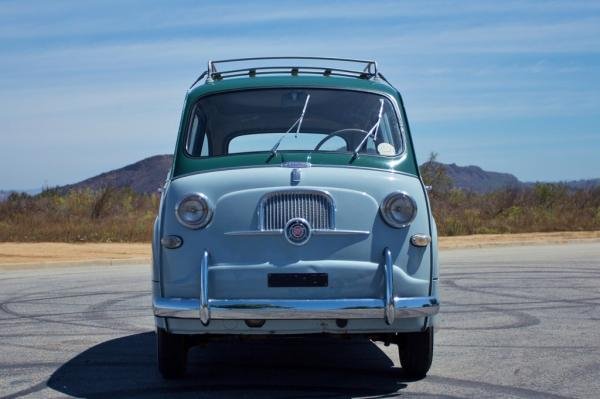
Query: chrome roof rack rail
point(368, 68)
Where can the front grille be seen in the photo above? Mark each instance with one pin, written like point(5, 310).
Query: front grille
point(314, 206)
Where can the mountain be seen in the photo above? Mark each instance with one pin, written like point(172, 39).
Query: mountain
point(147, 175)
point(473, 178)
point(144, 176)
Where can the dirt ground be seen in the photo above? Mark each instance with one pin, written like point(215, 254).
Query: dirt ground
point(490, 240)
point(51, 253)
point(23, 254)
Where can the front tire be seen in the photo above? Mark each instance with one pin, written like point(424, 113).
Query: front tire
point(416, 352)
point(171, 352)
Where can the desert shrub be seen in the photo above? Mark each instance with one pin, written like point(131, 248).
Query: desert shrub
point(434, 175)
point(542, 207)
point(121, 215)
point(539, 208)
point(107, 215)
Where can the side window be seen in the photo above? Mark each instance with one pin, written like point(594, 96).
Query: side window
point(204, 150)
point(192, 136)
point(197, 141)
point(384, 129)
point(388, 129)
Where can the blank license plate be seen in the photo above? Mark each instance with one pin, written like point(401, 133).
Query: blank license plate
point(298, 279)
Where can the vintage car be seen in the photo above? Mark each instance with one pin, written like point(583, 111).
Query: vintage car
point(294, 206)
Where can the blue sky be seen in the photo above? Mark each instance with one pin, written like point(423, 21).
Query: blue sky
point(511, 86)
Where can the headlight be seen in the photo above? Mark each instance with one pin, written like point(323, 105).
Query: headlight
point(194, 211)
point(398, 209)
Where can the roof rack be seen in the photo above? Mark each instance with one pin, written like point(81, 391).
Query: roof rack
point(368, 71)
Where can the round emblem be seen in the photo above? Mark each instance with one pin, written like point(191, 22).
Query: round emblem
point(297, 231)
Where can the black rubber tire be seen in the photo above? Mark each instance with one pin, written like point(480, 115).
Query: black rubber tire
point(416, 352)
point(171, 350)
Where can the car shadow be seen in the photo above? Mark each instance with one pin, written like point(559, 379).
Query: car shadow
point(319, 366)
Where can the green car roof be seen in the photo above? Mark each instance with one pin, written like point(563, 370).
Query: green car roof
point(184, 164)
point(290, 81)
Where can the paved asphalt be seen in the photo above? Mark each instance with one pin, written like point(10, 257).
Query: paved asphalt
point(517, 322)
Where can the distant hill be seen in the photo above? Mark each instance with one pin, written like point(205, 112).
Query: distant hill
point(473, 178)
point(144, 176)
point(147, 175)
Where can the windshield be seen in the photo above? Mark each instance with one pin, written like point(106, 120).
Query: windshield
point(270, 120)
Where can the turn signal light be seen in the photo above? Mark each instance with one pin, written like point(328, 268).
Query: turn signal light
point(420, 240)
point(171, 242)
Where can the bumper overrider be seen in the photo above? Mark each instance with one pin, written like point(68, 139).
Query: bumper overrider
point(204, 308)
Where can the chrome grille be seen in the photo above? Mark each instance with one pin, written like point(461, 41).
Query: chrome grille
point(314, 206)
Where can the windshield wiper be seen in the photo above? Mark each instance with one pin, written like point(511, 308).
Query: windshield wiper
point(372, 131)
point(298, 123)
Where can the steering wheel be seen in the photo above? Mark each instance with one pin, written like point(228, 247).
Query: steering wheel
point(337, 133)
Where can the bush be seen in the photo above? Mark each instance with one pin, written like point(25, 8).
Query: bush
point(121, 215)
point(540, 208)
point(108, 215)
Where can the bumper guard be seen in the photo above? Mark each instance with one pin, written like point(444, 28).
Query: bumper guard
point(389, 308)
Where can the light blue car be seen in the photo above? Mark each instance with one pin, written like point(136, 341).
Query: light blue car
point(294, 206)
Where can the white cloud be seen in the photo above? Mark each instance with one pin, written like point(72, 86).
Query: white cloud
point(114, 76)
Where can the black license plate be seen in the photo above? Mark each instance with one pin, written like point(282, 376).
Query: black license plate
point(298, 279)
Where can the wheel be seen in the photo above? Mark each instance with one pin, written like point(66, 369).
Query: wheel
point(171, 350)
point(416, 352)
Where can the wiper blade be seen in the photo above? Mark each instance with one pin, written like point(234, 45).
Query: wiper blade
point(373, 131)
point(298, 123)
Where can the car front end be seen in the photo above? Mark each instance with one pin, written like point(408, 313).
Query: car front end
point(294, 206)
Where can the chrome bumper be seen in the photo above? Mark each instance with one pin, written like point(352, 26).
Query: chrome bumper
point(204, 308)
point(277, 309)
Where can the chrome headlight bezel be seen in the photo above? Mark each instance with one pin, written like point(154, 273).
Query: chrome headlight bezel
point(204, 202)
point(386, 209)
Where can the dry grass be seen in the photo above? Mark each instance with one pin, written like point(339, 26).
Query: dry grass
point(120, 215)
point(541, 208)
point(108, 215)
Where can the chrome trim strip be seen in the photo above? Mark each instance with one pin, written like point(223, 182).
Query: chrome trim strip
point(337, 232)
point(254, 233)
point(389, 287)
point(341, 232)
point(295, 164)
point(204, 302)
point(182, 308)
point(296, 309)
